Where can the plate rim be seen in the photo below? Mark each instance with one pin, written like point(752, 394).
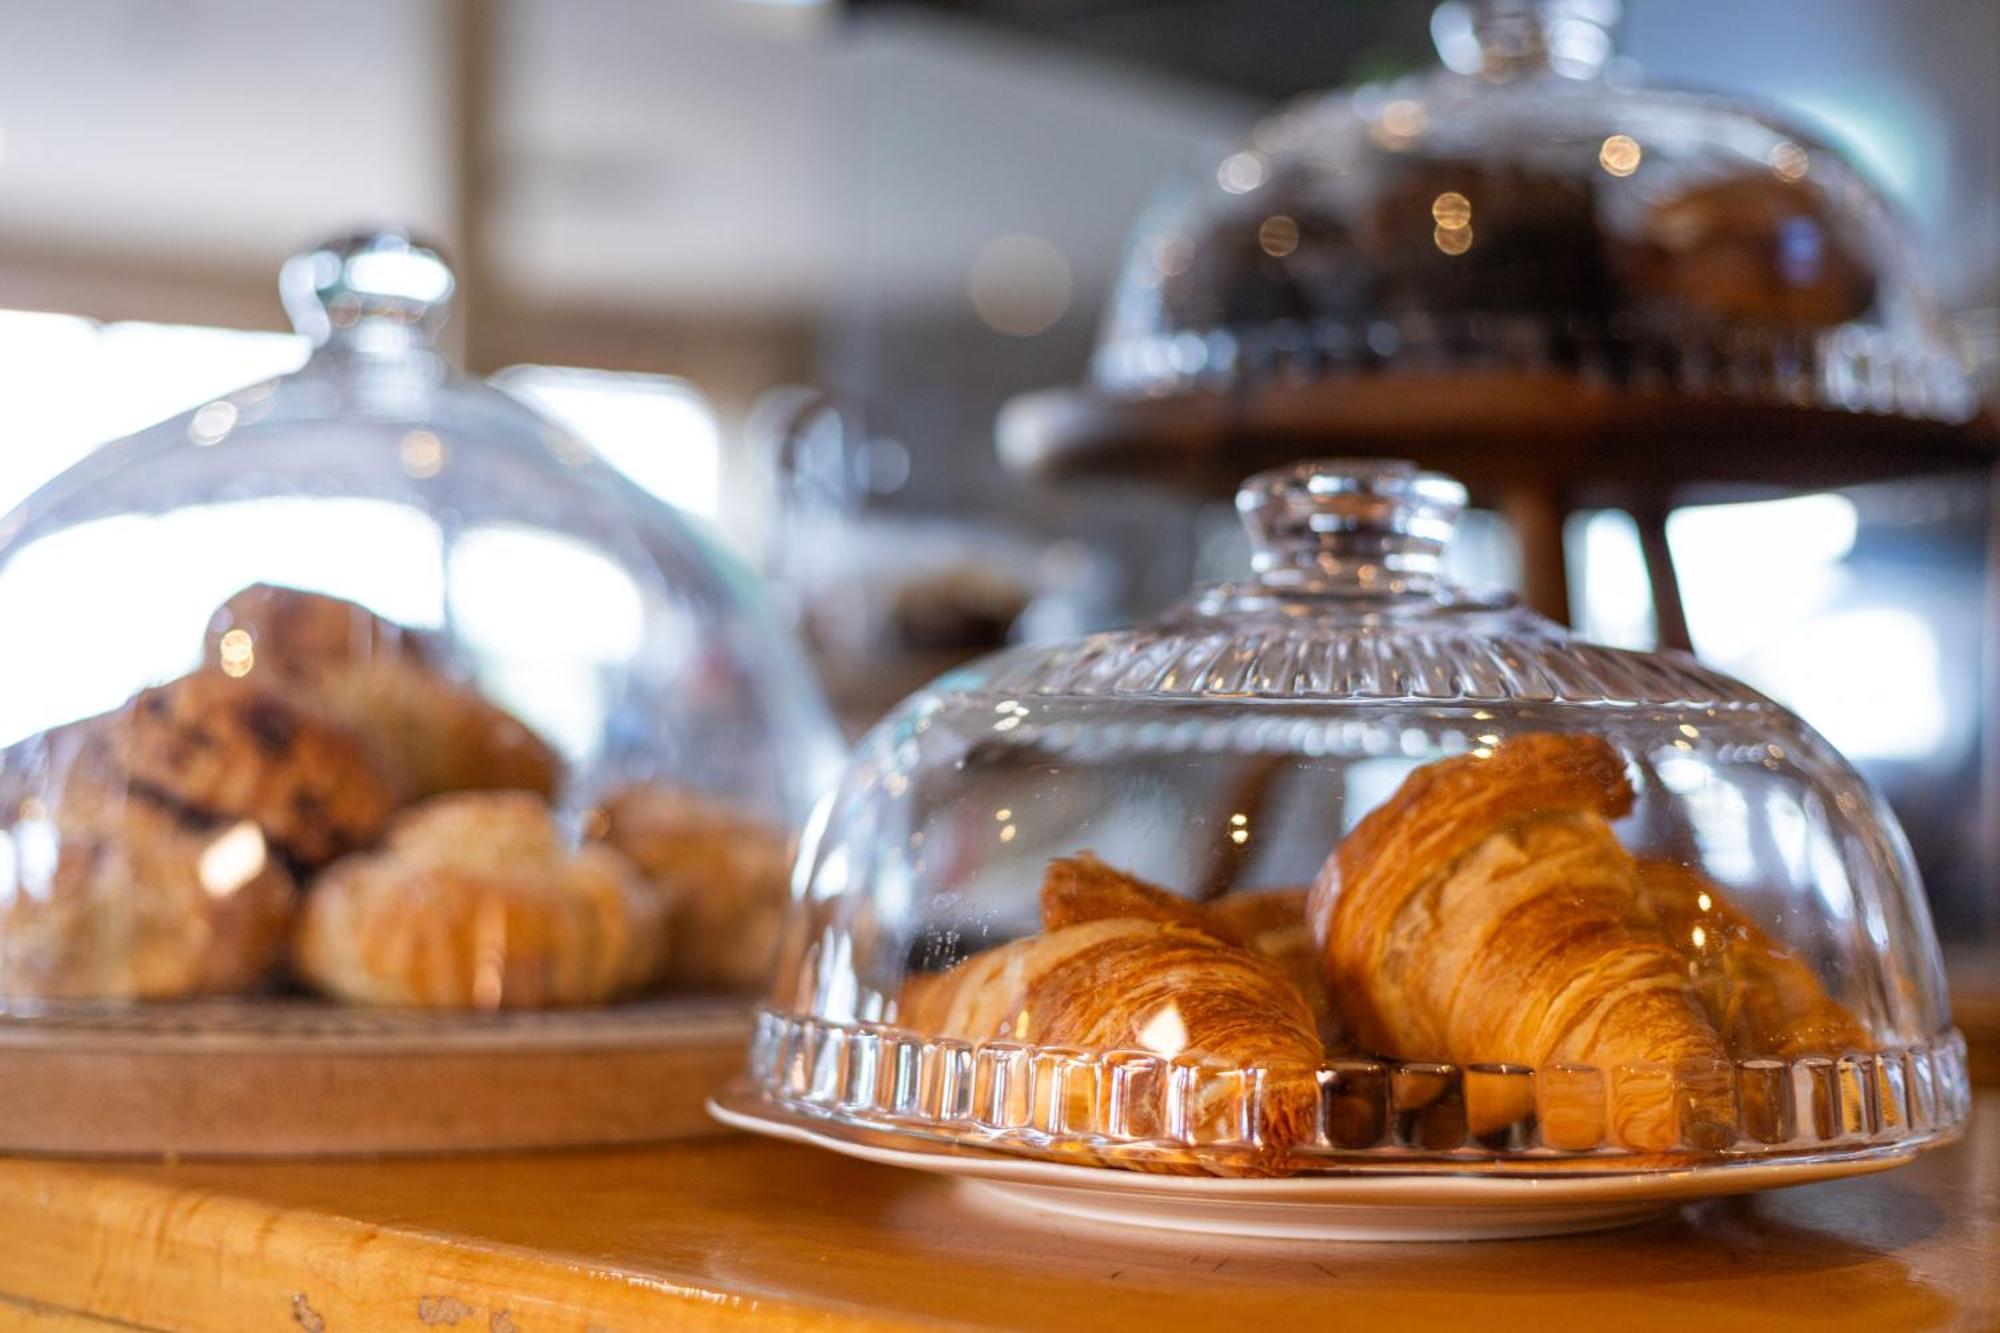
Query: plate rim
point(1388, 1188)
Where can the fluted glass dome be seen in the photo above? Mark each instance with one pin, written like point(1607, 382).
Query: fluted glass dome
point(1345, 869)
point(1526, 241)
point(371, 684)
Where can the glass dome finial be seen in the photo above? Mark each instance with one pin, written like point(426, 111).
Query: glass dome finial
point(374, 288)
point(1352, 525)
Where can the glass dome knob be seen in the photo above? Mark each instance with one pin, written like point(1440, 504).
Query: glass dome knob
point(379, 289)
point(1350, 526)
point(1505, 39)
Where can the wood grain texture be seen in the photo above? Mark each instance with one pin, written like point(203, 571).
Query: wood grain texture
point(726, 1231)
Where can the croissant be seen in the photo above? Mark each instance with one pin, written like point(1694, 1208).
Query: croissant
point(216, 748)
point(1764, 1000)
point(143, 901)
point(1270, 923)
point(1486, 912)
point(1082, 888)
point(378, 680)
point(1137, 982)
point(474, 902)
point(1273, 922)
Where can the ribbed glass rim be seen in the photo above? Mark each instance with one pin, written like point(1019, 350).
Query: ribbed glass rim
point(1142, 1110)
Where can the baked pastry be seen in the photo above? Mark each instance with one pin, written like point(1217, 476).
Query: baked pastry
point(438, 736)
point(1751, 248)
point(1082, 888)
point(143, 902)
point(217, 749)
point(269, 628)
point(727, 873)
point(1137, 982)
point(379, 680)
point(1271, 923)
point(1763, 1000)
point(474, 901)
point(1486, 912)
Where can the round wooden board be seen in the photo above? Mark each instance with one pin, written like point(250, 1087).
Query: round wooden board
point(265, 1078)
point(1491, 431)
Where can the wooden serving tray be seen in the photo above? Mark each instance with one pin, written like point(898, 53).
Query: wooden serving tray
point(298, 1077)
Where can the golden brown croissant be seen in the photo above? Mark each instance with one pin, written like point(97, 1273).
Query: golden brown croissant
point(1270, 922)
point(1273, 922)
point(1137, 982)
point(143, 902)
point(1764, 1000)
point(1082, 888)
point(474, 902)
point(1486, 913)
point(727, 872)
point(378, 680)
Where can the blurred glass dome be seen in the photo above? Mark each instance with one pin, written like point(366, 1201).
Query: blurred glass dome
point(1345, 867)
point(1511, 240)
point(248, 637)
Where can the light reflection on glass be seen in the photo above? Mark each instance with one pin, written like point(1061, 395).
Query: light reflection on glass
point(1241, 172)
point(1789, 162)
point(1278, 236)
point(236, 654)
point(1619, 155)
point(1451, 210)
point(232, 860)
point(212, 422)
point(1399, 124)
point(1165, 1033)
point(422, 454)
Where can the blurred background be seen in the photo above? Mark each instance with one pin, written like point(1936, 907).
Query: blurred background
point(784, 262)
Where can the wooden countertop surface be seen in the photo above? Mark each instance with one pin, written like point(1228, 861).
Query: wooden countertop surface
point(709, 1232)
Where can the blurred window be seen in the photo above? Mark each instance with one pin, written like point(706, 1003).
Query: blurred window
point(1773, 597)
point(657, 430)
point(69, 384)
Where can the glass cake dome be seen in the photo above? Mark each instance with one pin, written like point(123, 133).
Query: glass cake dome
point(1525, 242)
point(1344, 868)
point(371, 682)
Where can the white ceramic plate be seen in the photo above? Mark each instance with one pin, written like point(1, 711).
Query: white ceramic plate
point(1320, 1207)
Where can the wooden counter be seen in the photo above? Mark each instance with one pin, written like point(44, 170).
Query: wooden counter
point(707, 1233)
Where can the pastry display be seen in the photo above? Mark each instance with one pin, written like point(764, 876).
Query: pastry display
point(320, 790)
point(474, 901)
point(1425, 887)
point(727, 874)
point(1486, 913)
point(314, 690)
